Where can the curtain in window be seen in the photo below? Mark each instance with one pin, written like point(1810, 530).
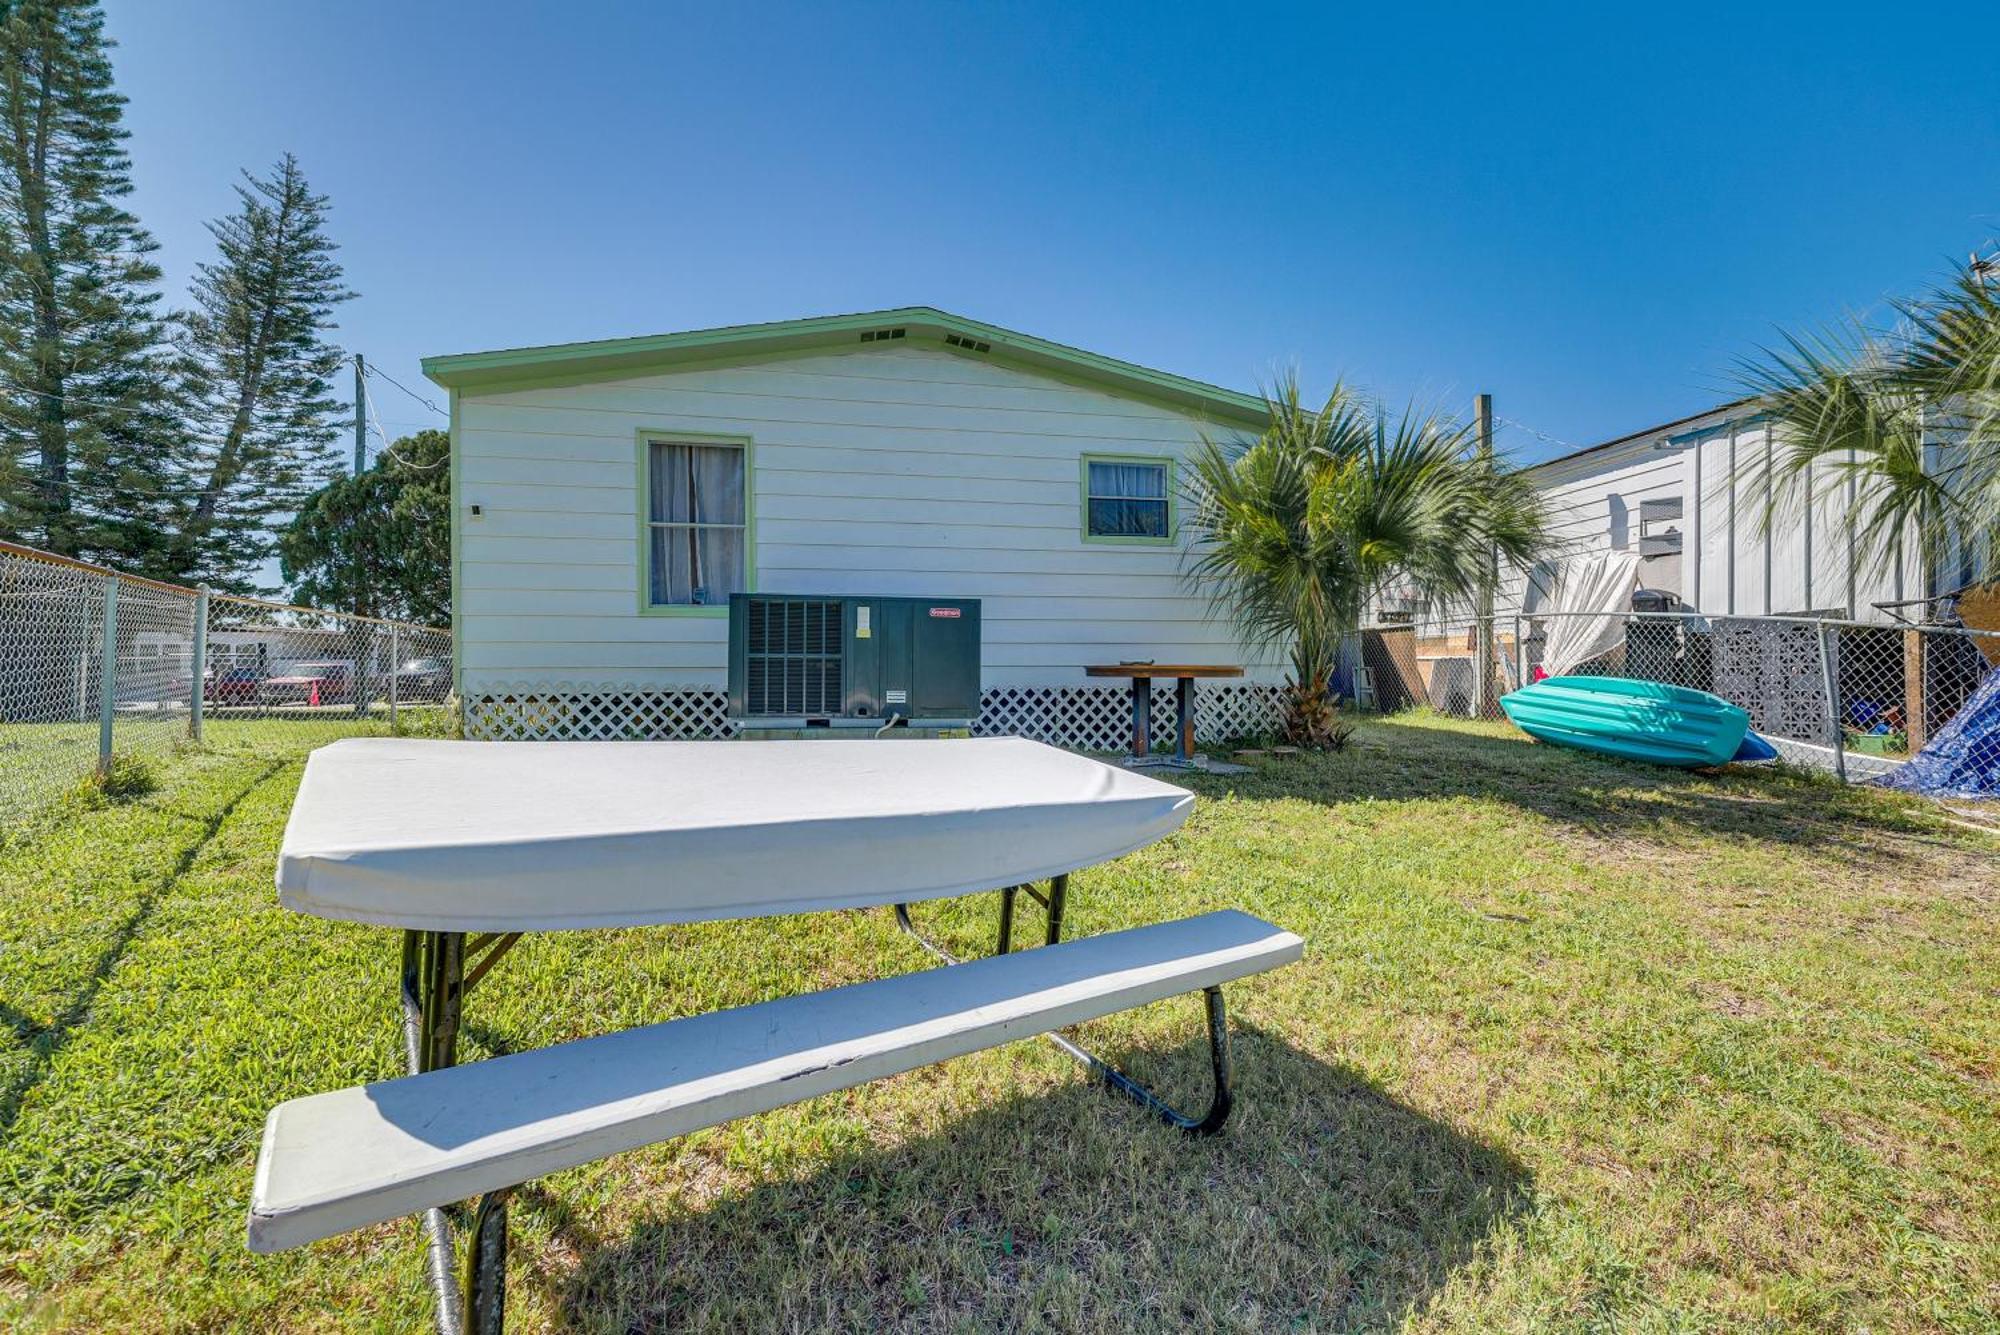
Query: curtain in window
point(693, 564)
point(697, 484)
point(1128, 500)
point(696, 495)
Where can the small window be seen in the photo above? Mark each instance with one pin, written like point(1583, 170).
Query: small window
point(696, 523)
point(1128, 500)
point(1659, 531)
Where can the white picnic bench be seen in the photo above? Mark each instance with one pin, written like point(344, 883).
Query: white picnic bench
point(468, 845)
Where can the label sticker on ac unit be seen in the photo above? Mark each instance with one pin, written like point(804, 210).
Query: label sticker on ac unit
point(897, 697)
point(861, 622)
point(944, 611)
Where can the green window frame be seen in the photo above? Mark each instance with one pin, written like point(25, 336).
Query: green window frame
point(649, 523)
point(1169, 500)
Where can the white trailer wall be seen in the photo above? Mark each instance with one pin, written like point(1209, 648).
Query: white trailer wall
point(1732, 561)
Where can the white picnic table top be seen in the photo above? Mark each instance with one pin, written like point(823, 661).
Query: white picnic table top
point(533, 836)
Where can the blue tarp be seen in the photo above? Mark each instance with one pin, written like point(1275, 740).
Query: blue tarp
point(1963, 759)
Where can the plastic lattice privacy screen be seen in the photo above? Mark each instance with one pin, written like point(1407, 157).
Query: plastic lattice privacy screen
point(1092, 718)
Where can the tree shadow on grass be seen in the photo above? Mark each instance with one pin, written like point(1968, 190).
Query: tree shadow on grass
point(1408, 760)
point(1325, 1203)
point(44, 1042)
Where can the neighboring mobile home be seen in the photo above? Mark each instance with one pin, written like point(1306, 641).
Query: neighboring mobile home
point(1689, 497)
point(608, 497)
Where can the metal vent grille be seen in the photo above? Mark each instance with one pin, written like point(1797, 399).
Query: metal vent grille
point(791, 656)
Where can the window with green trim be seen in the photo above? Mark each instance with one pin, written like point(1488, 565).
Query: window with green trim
point(1127, 498)
point(696, 522)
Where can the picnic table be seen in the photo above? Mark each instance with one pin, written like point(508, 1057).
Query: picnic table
point(469, 846)
point(1142, 675)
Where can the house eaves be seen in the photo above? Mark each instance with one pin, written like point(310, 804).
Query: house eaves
point(612, 359)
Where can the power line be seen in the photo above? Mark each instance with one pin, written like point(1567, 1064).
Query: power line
point(389, 450)
point(82, 400)
point(85, 400)
point(368, 406)
point(1538, 435)
point(372, 370)
point(34, 484)
point(408, 462)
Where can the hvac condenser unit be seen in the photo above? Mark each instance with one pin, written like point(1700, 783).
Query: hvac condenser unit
point(851, 662)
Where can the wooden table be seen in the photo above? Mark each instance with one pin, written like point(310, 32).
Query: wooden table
point(1142, 675)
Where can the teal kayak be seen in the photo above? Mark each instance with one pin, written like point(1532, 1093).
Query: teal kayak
point(1634, 720)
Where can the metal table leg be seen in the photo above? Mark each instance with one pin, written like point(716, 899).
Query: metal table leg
point(1006, 919)
point(486, 1266)
point(432, 974)
point(435, 982)
point(1224, 1098)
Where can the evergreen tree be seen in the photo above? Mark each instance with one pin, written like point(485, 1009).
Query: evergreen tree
point(89, 456)
point(255, 368)
point(379, 543)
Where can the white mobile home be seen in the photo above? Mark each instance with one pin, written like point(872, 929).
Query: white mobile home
point(608, 497)
point(1689, 498)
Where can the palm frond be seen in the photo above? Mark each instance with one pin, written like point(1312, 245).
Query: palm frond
point(1297, 529)
point(1900, 430)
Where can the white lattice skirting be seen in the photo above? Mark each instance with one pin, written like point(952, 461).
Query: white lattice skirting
point(1089, 718)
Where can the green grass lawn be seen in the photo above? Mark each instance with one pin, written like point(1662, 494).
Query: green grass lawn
point(41, 763)
point(1574, 1044)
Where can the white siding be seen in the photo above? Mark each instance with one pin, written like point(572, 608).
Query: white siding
point(906, 470)
point(1595, 505)
point(1732, 561)
point(1750, 535)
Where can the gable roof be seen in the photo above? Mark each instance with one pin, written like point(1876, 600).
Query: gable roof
point(617, 358)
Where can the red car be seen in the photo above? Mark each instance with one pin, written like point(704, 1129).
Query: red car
point(309, 684)
point(232, 686)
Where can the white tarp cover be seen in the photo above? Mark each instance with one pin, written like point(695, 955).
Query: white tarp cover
point(529, 836)
point(1600, 586)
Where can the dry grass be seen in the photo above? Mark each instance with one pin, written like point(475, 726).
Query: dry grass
point(1574, 1044)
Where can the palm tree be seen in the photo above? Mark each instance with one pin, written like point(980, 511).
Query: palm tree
point(1911, 417)
point(1296, 531)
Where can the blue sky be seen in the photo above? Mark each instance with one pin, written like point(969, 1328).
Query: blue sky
point(1589, 212)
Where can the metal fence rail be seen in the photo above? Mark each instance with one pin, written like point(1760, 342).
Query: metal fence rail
point(1856, 698)
point(94, 664)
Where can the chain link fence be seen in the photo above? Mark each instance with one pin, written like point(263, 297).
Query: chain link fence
point(1852, 697)
point(94, 665)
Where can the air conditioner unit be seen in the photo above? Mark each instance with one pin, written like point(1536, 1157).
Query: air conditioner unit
point(805, 661)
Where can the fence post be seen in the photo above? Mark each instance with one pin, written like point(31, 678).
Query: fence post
point(107, 678)
point(395, 657)
point(1483, 682)
point(1916, 707)
point(1520, 655)
point(1836, 735)
point(198, 691)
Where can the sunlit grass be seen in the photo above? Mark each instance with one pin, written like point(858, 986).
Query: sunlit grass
point(1574, 1044)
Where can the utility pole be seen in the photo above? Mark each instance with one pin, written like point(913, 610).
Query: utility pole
point(1484, 696)
point(360, 417)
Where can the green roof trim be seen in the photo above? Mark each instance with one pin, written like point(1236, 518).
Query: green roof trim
point(618, 358)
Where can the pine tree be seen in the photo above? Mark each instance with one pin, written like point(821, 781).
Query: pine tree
point(89, 450)
point(255, 368)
